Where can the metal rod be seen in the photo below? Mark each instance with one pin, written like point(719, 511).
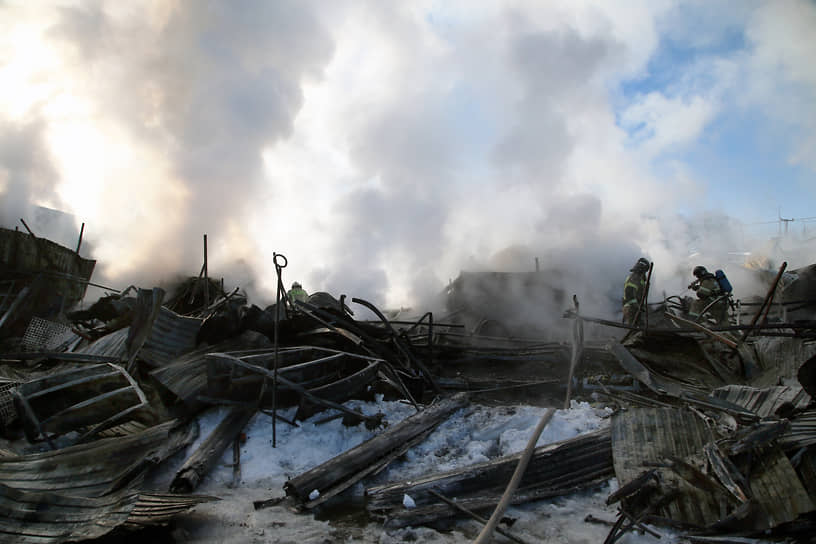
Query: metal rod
point(79, 243)
point(768, 298)
point(701, 328)
point(206, 276)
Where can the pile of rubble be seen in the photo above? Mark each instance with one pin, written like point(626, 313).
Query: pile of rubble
point(713, 433)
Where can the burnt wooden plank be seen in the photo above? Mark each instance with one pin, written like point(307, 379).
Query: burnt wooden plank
point(554, 470)
point(340, 470)
point(209, 452)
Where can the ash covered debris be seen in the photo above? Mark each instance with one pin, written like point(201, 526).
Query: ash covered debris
point(711, 434)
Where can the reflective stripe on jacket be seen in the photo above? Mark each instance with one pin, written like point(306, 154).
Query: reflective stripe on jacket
point(633, 288)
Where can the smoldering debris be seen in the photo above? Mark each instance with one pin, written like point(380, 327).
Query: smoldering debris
point(711, 432)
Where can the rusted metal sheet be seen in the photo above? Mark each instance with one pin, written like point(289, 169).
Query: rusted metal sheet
point(764, 402)
point(98, 467)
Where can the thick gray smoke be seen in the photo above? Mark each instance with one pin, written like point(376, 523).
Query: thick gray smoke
point(206, 86)
point(385, 147)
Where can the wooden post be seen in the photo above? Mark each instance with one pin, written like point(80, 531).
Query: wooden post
point(487, 531)
point(577, 348)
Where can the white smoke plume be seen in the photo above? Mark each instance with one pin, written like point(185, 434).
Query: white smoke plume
point(385, 147)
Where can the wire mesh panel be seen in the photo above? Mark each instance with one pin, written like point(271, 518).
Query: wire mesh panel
point(7, 411)
point(44, 335)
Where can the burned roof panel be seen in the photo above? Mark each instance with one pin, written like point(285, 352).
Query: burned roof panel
point(763, 402)
point(93, 469)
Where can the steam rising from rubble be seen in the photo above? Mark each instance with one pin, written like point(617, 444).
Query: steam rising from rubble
point(382, 147)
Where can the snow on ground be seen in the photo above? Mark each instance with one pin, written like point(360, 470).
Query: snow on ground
point(472, 435)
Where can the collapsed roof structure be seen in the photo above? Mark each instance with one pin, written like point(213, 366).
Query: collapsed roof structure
point(712, 432)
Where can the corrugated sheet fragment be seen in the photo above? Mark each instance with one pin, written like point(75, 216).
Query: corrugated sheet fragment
point(644, 438)
point(37, 517)
point(171, 336)
point(782, 357)
point(766, 401)
point(96, 468)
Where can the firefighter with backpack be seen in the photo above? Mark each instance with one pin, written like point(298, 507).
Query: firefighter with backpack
point(713, 292)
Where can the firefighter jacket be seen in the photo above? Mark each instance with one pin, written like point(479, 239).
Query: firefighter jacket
point(633, 288)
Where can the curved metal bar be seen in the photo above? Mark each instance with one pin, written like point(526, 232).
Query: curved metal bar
point(399, 344)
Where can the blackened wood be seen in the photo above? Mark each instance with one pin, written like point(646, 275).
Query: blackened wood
point(554, 470)
point(474, 515)
point(209, 452)
point(343, 467)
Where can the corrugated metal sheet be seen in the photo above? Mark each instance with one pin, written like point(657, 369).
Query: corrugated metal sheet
point(171, 336)
point(763, 402)
point(43, 517)
point(801, 433)
point(111, 345)
point(643, 438)
point(186, 376)
point(781, 358)
point(94, 469)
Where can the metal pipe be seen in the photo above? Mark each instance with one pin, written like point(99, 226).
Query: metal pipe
point(79, 243)
point(768, 298)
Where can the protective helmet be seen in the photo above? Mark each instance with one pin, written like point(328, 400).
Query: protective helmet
point(296, 285)
point(699, 271)
point(642, 265)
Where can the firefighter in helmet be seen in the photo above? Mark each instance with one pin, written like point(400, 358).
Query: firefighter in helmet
point(633, 290)
point(297, 293)
point(710, 297)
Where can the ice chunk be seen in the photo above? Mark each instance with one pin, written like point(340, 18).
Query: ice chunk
point(408, 502)
point(314, 494)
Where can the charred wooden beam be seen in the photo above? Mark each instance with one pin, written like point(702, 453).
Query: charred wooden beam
point(554, 470)
point(339, 473)
point(209, 452)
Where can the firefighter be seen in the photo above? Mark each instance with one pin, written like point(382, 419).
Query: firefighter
point(709, 295)
point(297, 293)
point(633, 289)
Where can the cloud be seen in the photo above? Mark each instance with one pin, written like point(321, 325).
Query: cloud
point(658, 124)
